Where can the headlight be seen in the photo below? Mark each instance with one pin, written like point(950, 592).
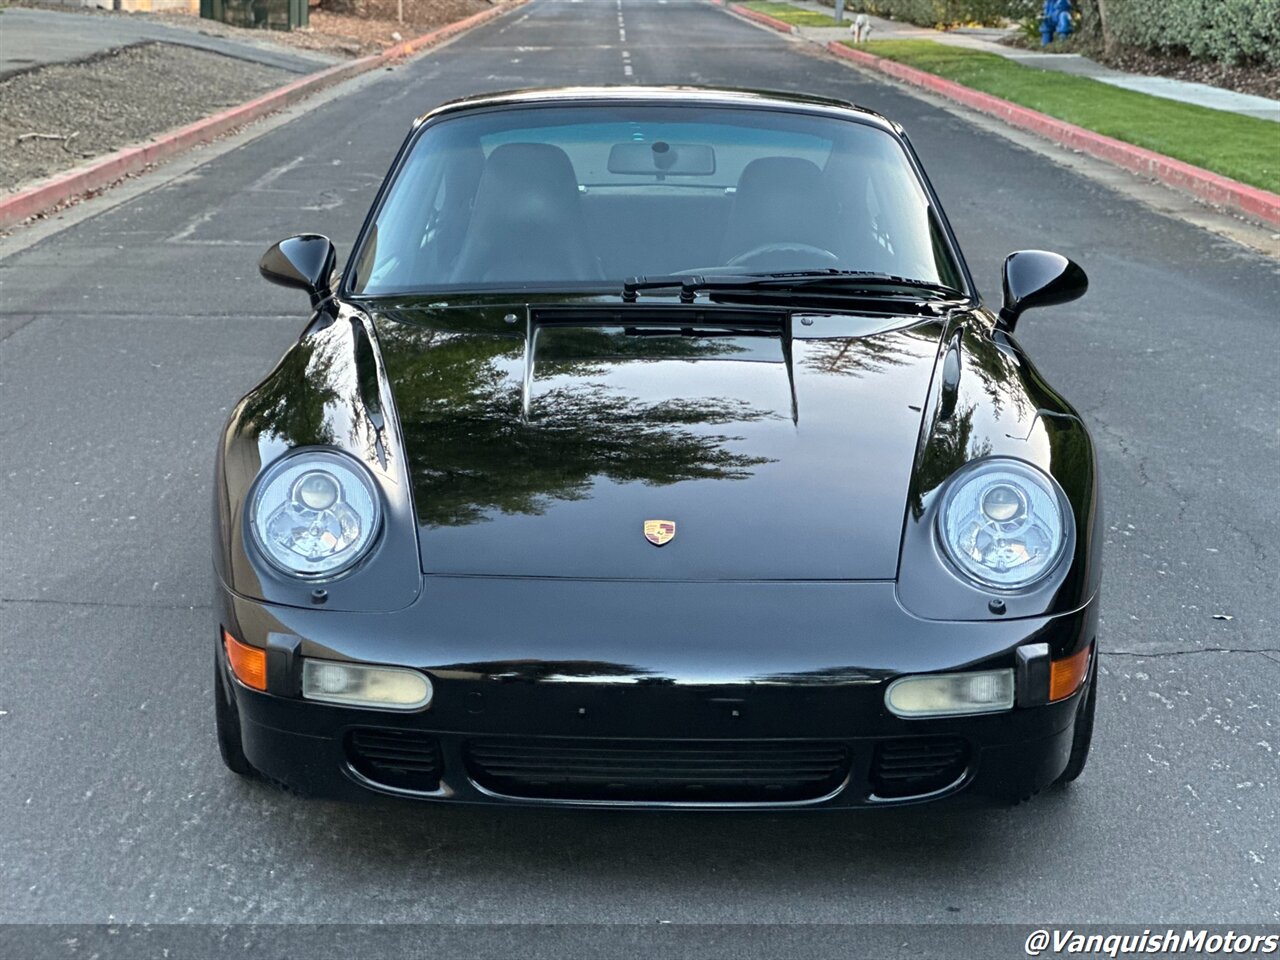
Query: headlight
point(314, 513)
point(1003, 523)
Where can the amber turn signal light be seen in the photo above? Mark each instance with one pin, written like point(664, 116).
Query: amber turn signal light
point(249, 664)
point(1066, 675)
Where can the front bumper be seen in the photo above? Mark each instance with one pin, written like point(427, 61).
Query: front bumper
point(750, 675)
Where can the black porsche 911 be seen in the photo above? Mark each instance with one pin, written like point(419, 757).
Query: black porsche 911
point(654, 449)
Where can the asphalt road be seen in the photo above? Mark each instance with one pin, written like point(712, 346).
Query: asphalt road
point(130, 335)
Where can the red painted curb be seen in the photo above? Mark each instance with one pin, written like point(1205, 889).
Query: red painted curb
point(105, 171)
point(448, 30)
point(780, 25)
point(1212, 187)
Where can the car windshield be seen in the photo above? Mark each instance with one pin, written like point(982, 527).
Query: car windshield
point(560, 197)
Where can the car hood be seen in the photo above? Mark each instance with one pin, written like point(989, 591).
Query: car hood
point(541, 440)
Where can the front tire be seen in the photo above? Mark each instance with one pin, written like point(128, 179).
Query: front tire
point(1083, 738)
point(227, 722)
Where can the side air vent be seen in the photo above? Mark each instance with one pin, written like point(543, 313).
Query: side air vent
point(917, 765)
point(404, 759)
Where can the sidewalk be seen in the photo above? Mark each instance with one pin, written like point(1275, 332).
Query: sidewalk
point(1228, 163)
point(41, 197)
point(33, 38)
point(986, 40)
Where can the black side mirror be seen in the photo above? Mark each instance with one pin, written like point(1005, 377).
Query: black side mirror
point(1037, 278)
point(305, 262)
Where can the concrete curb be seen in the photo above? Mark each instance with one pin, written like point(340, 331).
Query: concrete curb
point(1212, 187)
point(780, 25)
point(101, 173)
point(1241, 198)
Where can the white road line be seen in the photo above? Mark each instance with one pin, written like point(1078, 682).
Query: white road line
point(274, 174)
point(627, 70)
point(195, 224)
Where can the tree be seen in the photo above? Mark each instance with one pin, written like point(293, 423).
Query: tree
point(1094, 25)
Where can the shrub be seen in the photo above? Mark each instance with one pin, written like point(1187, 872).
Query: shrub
point(930, 13)
point(1229, 31)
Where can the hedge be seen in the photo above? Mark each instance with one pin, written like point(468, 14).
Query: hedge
point(930, 13)
point(1230, 31)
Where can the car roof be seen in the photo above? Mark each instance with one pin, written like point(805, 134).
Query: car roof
point(705, 96)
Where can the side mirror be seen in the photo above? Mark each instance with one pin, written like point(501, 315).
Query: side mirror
point(305, 262)
point(1037, 278)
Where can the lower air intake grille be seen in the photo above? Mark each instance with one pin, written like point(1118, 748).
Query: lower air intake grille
point(659, 771)
point(917, 765)
point(404, 759)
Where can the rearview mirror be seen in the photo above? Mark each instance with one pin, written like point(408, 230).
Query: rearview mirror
point(1038, 278)
point(305, 262)
point(663, 159)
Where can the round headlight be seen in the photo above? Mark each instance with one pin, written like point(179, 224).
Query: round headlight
point(1003, 523)
point(314, 513)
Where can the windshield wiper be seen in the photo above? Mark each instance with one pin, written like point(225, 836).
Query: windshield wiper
point(828, 282)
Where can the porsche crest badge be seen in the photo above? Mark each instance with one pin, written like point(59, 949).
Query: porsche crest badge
point(659, 532)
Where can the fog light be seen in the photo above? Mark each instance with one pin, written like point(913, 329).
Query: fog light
point(951, 694)
point(356, 685)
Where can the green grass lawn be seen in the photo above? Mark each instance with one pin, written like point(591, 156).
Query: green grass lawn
point(789, 14)
point(1243, 148)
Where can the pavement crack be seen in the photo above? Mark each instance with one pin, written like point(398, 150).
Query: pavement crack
point(19, 326)
point(1265, 651)
point(108, 603)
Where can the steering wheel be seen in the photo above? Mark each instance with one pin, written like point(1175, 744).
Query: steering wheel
point(797, 256)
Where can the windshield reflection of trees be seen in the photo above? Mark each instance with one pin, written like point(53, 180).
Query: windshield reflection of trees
point(994, 401)
point(950, 448)
point(857, 356)
point(1000, 373)
point(564, 670)
point(472, 450)
point(296, 403)
point(324, 392)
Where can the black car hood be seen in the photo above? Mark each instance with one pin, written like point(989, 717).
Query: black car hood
point(539, 446)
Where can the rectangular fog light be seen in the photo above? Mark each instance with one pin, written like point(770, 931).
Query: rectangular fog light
point(951, 694)
point(357, 685)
